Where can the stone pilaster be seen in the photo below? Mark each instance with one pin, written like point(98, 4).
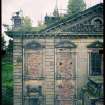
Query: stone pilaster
point(17, 60)
point(49, 64)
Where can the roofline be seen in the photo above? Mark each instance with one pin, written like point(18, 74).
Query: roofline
point(70, 18)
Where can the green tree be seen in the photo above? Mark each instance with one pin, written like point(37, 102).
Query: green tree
point(75, 6)
point(3, 45)
point(27, 23)
point(10, 47)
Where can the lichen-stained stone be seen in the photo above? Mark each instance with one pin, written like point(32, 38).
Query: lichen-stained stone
point(54, 69)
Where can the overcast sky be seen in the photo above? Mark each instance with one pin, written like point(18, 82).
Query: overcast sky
point(35, 9)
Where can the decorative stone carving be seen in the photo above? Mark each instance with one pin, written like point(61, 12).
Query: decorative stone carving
point(96, 44)
point(33, 45)
point(84, 28)
point(65, 44)
point(97, 21)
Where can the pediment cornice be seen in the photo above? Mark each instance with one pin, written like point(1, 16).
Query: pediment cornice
point(81, 22)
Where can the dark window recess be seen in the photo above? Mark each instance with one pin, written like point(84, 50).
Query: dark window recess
point(92, 102)
point(101, 51)
point(96, 64)
point(60, 63)
point(60, 49)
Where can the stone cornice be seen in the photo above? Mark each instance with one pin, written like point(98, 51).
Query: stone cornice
point(14, 34)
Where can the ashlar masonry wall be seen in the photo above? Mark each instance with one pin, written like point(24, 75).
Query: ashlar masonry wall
point(17, 73)
point(83, 60)
point(45, 58)
point(19, 70)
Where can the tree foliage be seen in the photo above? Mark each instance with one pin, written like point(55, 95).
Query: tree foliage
point(10, 48)
point(75, 6)
point(26, 24)
point(3, 45)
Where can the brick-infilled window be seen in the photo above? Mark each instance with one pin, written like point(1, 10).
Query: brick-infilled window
point(65, 77)
point(34, 64)
point(33, 73)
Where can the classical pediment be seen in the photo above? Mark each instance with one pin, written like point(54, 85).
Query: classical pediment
point(96, 44)
point(33, 45)
point(65, 44)
point(90, 20)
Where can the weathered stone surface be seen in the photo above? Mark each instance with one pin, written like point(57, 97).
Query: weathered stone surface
point(52, 63)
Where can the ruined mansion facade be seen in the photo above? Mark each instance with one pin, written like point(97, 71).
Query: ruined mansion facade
point(53, 66)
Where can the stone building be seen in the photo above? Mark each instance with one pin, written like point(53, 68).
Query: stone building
point(52, 66)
